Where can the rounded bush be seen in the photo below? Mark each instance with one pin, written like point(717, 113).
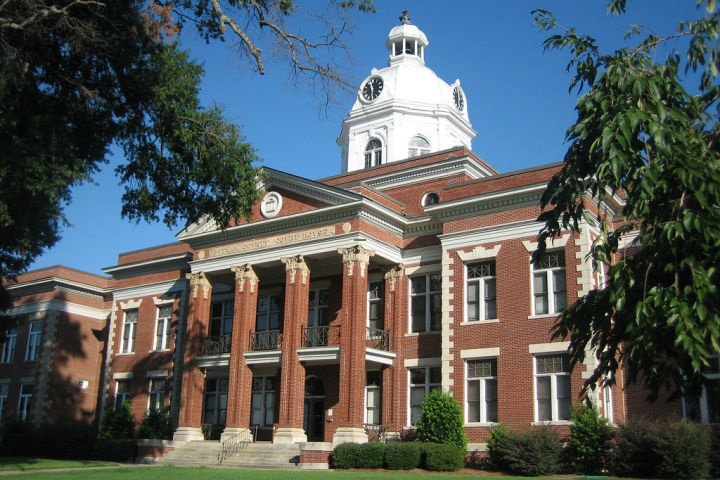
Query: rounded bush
point(441, 420)
point(443, 458)
point(346, 455)
point(402, 456)
point(529, 453)
point(589, 442)
point(371, 455)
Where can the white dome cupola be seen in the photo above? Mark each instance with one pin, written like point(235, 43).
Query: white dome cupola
point(404, 109)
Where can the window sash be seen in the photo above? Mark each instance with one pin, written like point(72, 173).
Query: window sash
point(128, 333)
point(262, 401)
point(25, 401)
point(422, 381)
point(426, 303)
point(549, 284)
point(33, 343)
point(162, 327)
point(8, 348)
point(552, 388)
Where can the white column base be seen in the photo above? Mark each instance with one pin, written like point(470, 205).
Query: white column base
point(244, 432)
point(349, 434)
point(287, 435)
point(188, 434)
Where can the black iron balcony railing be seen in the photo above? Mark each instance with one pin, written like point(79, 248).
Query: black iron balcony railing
point(377, 338)
point(265, 340)
point(324, 336)
point(217, 344)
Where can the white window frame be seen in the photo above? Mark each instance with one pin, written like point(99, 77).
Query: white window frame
point(122, 397)
point(374, 408)
point(554, 404)
point(482, 395)
point(704, 402)
point(380, 299)
point(608, 412)
point(553, 263)
point(415, 148)
point(481, 282)
point(156, 395)
point(32, 349)
point(25, 401)
point(427, 384)
point(4, 391)
point(8, 347)
point(373, 154)
point(163, 328)
point(315, 308)
point(265, 393)
point(129, 329)
point(428, 294)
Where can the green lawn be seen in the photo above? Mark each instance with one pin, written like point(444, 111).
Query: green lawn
point(204, 473)
point(30, 463)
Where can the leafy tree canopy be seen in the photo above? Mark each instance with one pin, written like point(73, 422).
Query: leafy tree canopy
point(643, 140)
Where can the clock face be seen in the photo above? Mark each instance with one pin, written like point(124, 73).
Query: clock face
point(372, 88)
point(458, 98)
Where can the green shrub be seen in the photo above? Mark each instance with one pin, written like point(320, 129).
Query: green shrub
point(589, 442)
point(499, 443)
point(156, 424)
point(530, 453)
point(115, 450)
point(443, 457)
point(715, 454)
point(371, 455)
point(72, 441)
point(441, 420)
point(676, 450)
point(19, 439)
point(346, 455)
point(403, 456)
point(118, 423)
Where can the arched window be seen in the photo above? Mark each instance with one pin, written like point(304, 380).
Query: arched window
point(418, 146)
point(430, 199)
point(373, 153)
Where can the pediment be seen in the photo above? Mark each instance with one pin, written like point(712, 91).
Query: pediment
point(282, 194)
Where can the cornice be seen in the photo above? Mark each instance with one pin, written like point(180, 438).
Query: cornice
point(308, 188)
point(153, 265)
point(486, 203)
point(58, 284)
point(495, 233)
point(427, 172)
point(60, 306)
point(151, 289)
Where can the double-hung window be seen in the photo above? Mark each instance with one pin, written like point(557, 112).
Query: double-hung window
point(705, 407)
point(122, 392)
point(426, 303)
point(4, 390)
point(552, 387)
point(373, 397)
point(422, 381)
point(482, 390)
point(162, 327)
point(549, 290)
point(128, 332)
point(8, 347)
point(262, 405)
point(33, 343)
point(267, 321)
point(375, 305)
point(25, 401)
point(221, 324)
point(481, 294)
point(156, 393)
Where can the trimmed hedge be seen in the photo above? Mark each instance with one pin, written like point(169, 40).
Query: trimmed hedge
point(530, 453)
point(371, 455)
point(403, 456)
point(346, 455)
point(443, 458)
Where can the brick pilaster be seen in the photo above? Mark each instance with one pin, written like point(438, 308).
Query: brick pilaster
point(240, 382)
point(292, 372)
point(394, 378)
point(352, 352)
point(193, 380)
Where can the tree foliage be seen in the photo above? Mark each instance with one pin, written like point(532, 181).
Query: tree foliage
point(643, 141)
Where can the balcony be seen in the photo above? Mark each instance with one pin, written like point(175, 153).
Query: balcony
point(264, 348)
point(216, 351)
point(320, 345)
point(377, 346)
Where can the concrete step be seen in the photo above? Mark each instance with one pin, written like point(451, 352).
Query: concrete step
point(263, 455)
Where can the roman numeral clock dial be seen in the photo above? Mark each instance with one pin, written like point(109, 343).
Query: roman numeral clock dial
point(372, 88)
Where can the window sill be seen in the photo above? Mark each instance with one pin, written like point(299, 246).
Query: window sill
point(551, 423)
point(481, 424)
point(123, 354)
point(480, 322)
point(417, 334)
point(159, 351)
point(544, 315)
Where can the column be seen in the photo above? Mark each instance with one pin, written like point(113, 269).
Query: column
point(352, 350)
point(193, 380)
point(240, 381)
point(292, 373)
point(394, 377)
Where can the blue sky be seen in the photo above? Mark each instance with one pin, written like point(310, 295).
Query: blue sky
point(517, 98)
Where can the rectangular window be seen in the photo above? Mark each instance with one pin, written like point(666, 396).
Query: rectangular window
point(425, 303)
point(552, 387)
point(422, 381)
point(607, 403)
point(267, 320)
point(8, 348)
point(215, 409)
point(156, 393)
point(705, 408)
point(221, 322)
point(25, 401)
point(4, 390)
point(481, 291)
point(373, 397)
point(33, 343)
point(549, 288)
point(122, 392)
point(128, 332)
point(482, 390)
point(262, 405)
point(317, 308)
point(162, 327)
point(376, 305)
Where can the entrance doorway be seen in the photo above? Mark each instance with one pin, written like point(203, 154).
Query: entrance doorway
point(314, 412)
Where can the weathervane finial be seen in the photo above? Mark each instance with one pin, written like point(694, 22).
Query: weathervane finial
point(404, 19)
